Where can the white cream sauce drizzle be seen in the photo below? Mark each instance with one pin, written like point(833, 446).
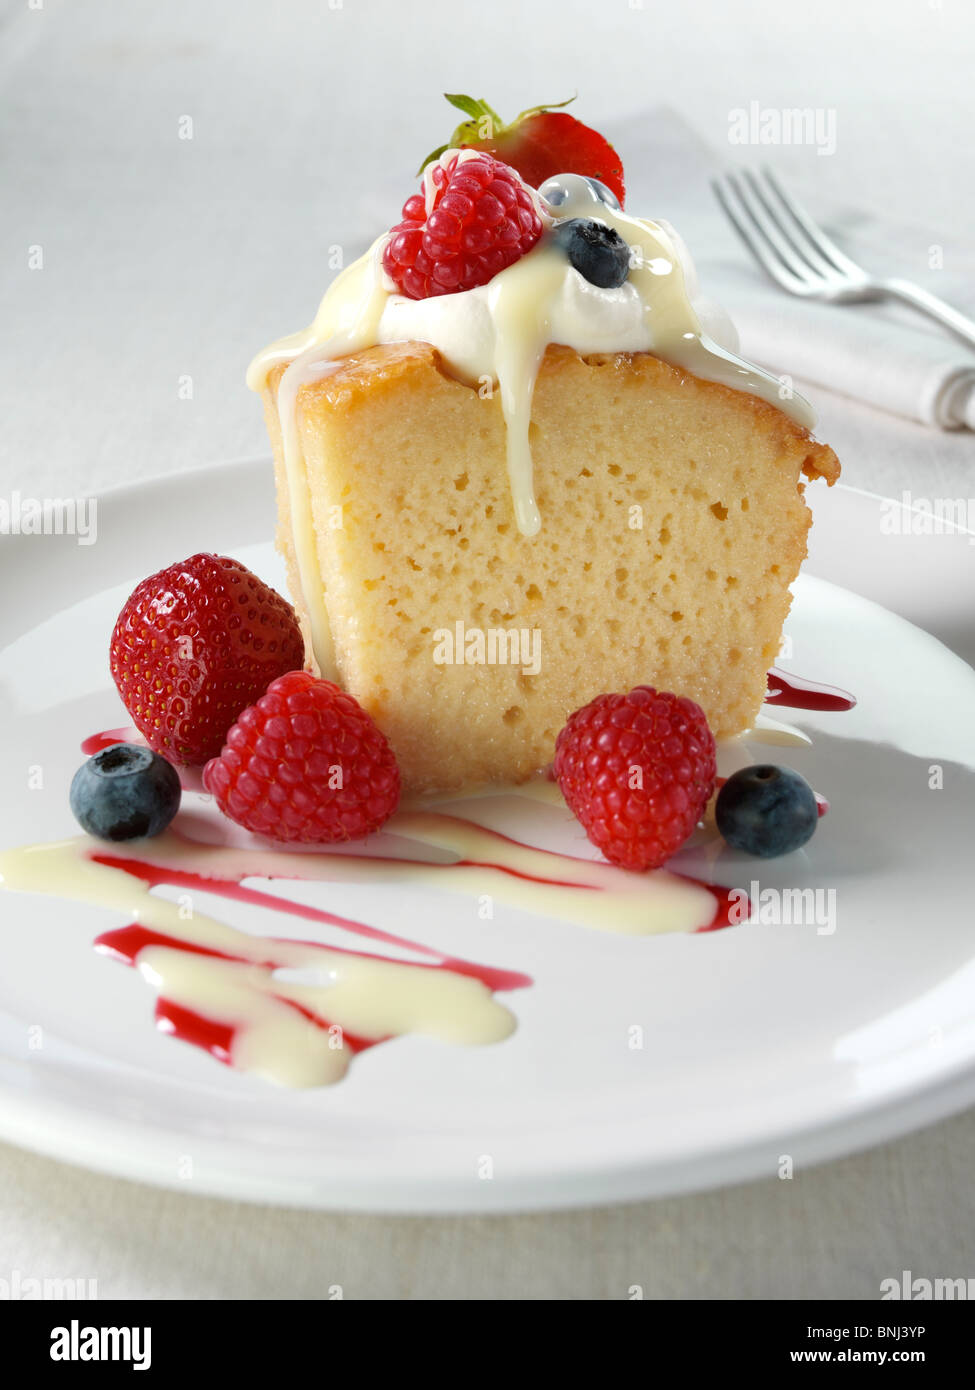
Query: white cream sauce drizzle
point(526, 310)
point(368, 997)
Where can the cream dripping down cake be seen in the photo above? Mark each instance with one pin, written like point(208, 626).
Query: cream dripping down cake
point(519, 462)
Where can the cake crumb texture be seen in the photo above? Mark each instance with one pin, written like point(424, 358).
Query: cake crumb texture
point(673, 523)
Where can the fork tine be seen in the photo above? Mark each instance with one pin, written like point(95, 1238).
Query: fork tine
point(749, 191)
point(810, 262)
point(780, 207)
point(758, 245)
point(815, 235)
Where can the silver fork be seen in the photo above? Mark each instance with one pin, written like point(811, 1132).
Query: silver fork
point(800, 257)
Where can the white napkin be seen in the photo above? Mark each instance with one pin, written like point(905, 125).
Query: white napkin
point(885, 355)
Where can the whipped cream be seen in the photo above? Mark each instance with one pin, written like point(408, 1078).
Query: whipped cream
point(498, 332)
point(463, 329)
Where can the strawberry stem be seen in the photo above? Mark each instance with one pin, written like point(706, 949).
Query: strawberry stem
point(537, 110)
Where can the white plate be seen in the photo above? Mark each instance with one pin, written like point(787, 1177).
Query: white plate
point(759, 1041)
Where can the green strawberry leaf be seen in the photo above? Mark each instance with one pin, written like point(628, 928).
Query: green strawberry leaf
point(474, 109)
point(484, 124)
point(431, 157)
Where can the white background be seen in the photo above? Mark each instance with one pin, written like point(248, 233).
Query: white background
point(165, 258)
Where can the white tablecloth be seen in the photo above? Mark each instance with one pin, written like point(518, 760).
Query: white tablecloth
point(166, 258)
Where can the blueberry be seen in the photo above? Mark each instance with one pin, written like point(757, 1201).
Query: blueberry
point(125, 792)
point(598, 252)
point(766, 810)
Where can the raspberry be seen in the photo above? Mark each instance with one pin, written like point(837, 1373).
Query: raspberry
point(193, 646)
point(482, 220)
point(637, 771)
point(307, 763)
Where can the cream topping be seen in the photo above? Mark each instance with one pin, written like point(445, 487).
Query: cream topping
point(498, 333)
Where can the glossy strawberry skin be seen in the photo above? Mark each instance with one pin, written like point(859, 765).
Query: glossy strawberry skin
point(540, 143)
point(553, 142)
point(193, 646)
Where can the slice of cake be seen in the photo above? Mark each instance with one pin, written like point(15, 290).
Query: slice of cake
point(534, 479)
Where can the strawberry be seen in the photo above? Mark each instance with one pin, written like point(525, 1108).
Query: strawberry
point(193, 646)
point(539, 143)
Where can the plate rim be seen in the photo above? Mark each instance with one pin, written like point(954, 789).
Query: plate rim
point(636, 1180)
point(129, 1148)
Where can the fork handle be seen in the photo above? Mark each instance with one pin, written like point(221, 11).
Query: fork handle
point(960, 324)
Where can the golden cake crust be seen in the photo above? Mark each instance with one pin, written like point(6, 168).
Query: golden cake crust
point(673, 523)
point(383, 367)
